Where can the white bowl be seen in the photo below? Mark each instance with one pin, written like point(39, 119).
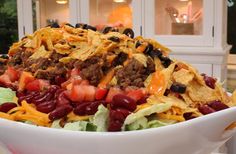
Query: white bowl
point(198, 136)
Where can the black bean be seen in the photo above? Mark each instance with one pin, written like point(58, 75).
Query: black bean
point(129, 32)
point(114, 39)
point(178, 88)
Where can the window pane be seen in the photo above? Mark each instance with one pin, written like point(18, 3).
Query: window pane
point(47, 12)
point(178, 17)
point(8, 24)
point(117, 13)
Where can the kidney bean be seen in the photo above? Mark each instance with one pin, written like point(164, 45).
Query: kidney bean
point(205, 109)
point(123, 101)
point(42, 98)
point(142, 100)
point(59, 80)
point(47, 106)
point(117, 118)
point(188, 116)
point(80, 109)
point(60, 112)
point(115, 126)
point(5, 107)
point(92, 108)
point(53, 88)
point(62, 99)
point(88, 108)
point(217, 105)
point(209, 81)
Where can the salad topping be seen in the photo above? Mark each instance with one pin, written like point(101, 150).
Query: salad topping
point(80, 79)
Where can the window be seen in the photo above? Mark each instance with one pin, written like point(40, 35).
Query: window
point(232, 25)
point(8, 24)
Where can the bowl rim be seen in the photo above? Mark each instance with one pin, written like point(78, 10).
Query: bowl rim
point(188, 123)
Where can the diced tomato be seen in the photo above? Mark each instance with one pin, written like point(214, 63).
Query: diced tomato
point(37, 85)
point(81, 93)
point(112, 92)
point(89, 93)
point(25, 78)
point(84, 82)
point(5, 80)
point(12, 73)
point(77, 93)
point(136, 94)
point(33, 86)
point(100, 93)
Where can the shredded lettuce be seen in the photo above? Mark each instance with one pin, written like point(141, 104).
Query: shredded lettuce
point(56, 124)
point(139, 124)
point(7, 95)
point(100, 119)
point(155, 108)
point(159, 123)
point(76, 126)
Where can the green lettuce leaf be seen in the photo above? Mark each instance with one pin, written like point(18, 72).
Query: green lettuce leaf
point(100, 119)
point(7, 95)
point(159, 123)
point(139, 124)
point(76, 126)
point(155, 108)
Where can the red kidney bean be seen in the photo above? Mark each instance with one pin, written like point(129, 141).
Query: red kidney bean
point(88, 108)
point(123, 101)
point(142, 100)
point(205, 109)
point(60, 112)
point(115, 126)
point(217, 105)
point(209, 81)
point(59, 80)
point(42, 98)
point(61, 99)
point(117, 118)
point(47, 106)
point(80, 108)
point(188, 116)
point(5, 107)
point(53, 88)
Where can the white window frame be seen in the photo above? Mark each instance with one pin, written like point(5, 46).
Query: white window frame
point(206, 39)
point(25, 16)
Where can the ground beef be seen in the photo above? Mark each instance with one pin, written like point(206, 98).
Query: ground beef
point(52, 72)
point(134, 73)
point(20, 58)
point(91, 69)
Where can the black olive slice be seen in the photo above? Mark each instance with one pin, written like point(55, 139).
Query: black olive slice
point(166, 61)
point(79, 25)
point(106, 30)
point(178, 88)
point(137, 44)
point(55, 25)
point(89, 27)
point(69, 25)
point(4, 56)
point(155, 53)
point(148, 49)
point(129, 32)
point(114, 39)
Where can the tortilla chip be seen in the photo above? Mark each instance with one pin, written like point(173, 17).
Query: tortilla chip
point(183, 76)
